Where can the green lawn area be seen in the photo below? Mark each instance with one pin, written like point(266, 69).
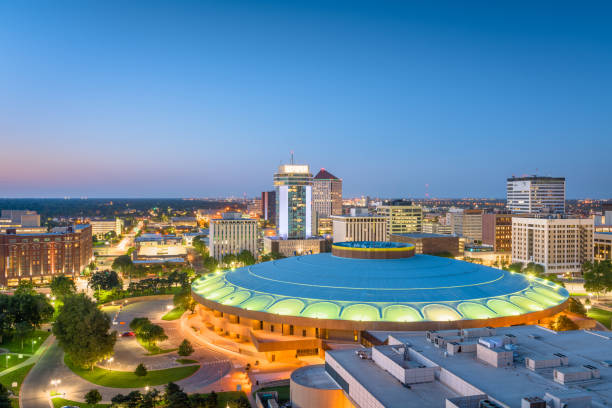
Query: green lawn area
point(224, 398)
point(174, 314)
point(9, 360)
point(283, 392)
point(186, 361)
point(127, 379)
point(17, 376)
point(602, 316)
point(578, 293)
point(14, 344)
point(60, 402)
point(154, 350)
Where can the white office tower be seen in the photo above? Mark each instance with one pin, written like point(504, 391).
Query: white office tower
point(533, 194)
point(293, 184)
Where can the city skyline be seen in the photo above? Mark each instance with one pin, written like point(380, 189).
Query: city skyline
point(205, 99)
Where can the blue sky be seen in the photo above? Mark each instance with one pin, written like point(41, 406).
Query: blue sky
point(196, 98)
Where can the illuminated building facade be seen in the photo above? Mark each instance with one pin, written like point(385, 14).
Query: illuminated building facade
point(603, 246)
point(288, 307)
point(526, 195)
point(40, 257)
point(293, 186)
point(560, 245)
point(232, 234)
point(402, 216)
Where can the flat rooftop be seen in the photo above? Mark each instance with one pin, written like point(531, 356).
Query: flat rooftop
point(423, 235)
point(314, 376)
point(387, 389)
point(509, 385)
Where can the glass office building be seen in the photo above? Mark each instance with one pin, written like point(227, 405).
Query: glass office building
point(293, 184)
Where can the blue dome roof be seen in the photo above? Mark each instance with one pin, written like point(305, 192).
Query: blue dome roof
point(419, 288)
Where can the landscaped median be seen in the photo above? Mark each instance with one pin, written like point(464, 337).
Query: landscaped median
point(127, 379)
point(602, 316)
point(174, 314)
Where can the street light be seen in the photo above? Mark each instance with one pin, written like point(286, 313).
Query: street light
point(110, 361)
point(6, 359)
point(33, 343)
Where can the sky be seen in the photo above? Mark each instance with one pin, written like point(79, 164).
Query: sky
point(398, 98)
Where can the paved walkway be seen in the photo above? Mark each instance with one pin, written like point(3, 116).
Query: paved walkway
point(37, 386)
point(31, 360)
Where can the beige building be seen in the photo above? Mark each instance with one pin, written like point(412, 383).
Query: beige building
point(232, 234)
point(434, 227)
point(560, 245)
point(359, 228)
point(402, 216)
point(293, 247)
point(472, 224)
point(603, 246)
point(101, 227)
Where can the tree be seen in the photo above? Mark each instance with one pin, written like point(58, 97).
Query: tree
point(175, 397)
point(105, 280)
point(575, 306)
point(25, 287)
point(597, 276)
point(124, 264)
point(93, 397)
point(22, 330)
point(246, 258)
point(82, 331)
point(138, 322)
point(183, 299)
point(564, 323)
point(151, 334)
point(141, 370)
point(516, 267)
point(229, 260)
point(210, 263)
point(62, 286)
point(185, 348)
point(5, 401)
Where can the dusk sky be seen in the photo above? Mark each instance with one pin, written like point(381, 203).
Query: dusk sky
point(195, 98)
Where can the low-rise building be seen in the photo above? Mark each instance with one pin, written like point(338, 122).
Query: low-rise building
point(102, 227)
point(39, 257)
point(359, 228)
point(512, 367)
point(184, 221)
point(293, 247)
point(430, 244)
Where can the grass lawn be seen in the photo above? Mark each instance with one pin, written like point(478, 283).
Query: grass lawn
point(14, 344)
point(9, 360)
point(154, 350)
point(186, 361)
point(127, 379)
point(224, 398)
point(578, 293)
point(174, 314)
point(602, 316)
point(17, 376)
point(60, 402)
point(283, 392)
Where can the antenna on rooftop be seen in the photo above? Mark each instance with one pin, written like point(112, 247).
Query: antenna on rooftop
point(292, 157)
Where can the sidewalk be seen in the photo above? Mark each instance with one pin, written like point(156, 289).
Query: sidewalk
point(33, 357)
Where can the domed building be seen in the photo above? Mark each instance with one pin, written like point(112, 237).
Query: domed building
point(290, 306)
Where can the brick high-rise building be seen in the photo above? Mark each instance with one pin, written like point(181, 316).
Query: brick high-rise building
point(497, 231)
point(40, 257)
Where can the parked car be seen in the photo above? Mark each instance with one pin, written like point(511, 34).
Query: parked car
point(128, 334)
